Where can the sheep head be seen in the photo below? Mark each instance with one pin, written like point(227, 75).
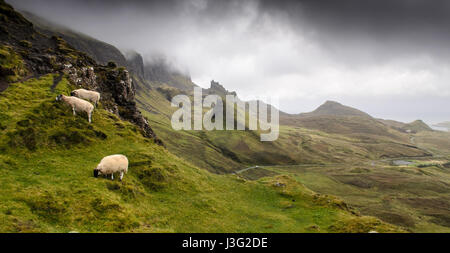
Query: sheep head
point(59, 97)
point(96, 172)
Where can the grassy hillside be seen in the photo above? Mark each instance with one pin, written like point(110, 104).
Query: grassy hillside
point(413, 196)
point(47, 156)
point(46, 183)
point(437, 142)
point(313, 139)
point(417, 126)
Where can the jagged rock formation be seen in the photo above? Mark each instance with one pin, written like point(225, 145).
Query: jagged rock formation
point(135, 63)
point(217, 89)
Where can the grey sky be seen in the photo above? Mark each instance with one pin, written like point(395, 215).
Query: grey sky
point(390, 58)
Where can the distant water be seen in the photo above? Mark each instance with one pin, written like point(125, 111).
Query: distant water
point(439, 128)
point(401, 162)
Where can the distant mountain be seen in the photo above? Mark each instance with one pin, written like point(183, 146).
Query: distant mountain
point(157, 81)
point(333, 108)
point(333, 117)
point(417, 126)
point(160, 71)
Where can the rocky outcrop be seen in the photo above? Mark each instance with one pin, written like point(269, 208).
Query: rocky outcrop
point(41, 54)
point(217, 89)
point(159, 71)
point(135, 63)
point(117, 92)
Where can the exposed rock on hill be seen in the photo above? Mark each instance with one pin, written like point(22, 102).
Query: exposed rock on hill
point(135, 63)
point(39, 54)
point(217, 89)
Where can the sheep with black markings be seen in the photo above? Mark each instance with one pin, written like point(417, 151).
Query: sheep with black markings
point(78, 105)
point(88, 95)
point(112, 164)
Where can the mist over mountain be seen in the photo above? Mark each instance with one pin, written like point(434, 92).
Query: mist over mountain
point(388, 58)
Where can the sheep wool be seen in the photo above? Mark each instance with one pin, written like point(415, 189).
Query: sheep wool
point(88, 95)
point(112, 164)
point(78, 105)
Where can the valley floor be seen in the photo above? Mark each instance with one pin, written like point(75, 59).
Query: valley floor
point(415, 196)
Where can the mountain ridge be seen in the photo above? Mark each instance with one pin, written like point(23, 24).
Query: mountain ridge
point(157, 82)
point(336, 109)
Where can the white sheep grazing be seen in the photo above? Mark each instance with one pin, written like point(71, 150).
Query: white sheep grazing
point(78, 105)
point(112, 164)
point(88, 95)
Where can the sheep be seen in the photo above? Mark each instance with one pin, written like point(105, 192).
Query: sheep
point(77, 104)
point(88, 95)
point(112, 164)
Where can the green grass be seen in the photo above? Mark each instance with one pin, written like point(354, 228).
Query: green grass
point(46, 182)
point(345, 139)
point(11, 64)
point(413, 197)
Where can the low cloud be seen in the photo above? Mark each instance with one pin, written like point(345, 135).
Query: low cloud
point(305, 52)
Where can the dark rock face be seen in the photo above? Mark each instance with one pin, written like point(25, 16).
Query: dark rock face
point(100, 51)
point(117, 81)
point(135, 63)
point(217, 89)
point(158, 71)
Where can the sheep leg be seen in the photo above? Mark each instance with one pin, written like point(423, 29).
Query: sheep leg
point(90, 117)
point(112, 176)
point(74, 113)
point(121, 175)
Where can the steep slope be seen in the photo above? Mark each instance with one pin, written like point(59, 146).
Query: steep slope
point(28, 53)
point(100, 51)
point(47, 184)
point(417, 126)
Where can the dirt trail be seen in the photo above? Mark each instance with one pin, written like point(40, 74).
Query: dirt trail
point(56, 80)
